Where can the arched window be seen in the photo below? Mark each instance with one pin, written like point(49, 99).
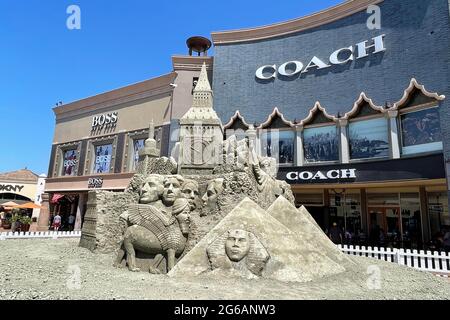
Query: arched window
point(236, 127)
point(367, 130)
point(320, 136)
point(278, 138)
point(419, 120)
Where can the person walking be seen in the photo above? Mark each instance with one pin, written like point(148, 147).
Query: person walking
point(56, 222)
point(71, 222)
point(447, 241)
point(335, 234)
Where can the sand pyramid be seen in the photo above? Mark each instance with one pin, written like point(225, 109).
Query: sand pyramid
point(292, 258)
point(303, 224)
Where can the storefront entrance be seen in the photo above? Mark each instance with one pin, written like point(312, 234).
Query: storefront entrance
point(66, 207)
point(384, 226)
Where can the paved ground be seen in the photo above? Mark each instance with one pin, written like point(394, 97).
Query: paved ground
point(59, 269)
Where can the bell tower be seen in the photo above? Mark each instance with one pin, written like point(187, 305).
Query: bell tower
point(201, 132)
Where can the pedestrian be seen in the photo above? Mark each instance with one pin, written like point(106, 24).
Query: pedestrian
point(447, 241)
point(2, 215)
point(71, 222)
point(335, 234)
point(56, 222)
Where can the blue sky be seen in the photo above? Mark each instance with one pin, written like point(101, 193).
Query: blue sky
point(120, 43)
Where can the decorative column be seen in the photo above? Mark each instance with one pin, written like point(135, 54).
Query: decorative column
point(79, 218)
point(149, 152)
point(364, 213)
point(345, 152)
point(44, 214)
point(251, 135)
point(299, 151)
point(426, 232)
point(258, 143)
point(393, 133)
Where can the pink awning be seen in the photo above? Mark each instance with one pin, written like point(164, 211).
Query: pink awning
point(56, 198)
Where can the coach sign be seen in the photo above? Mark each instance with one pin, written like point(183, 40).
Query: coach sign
point(417, 168)
point(321, 175)
point(338, 57)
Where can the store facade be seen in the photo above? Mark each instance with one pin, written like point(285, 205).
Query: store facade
point(21, 187)
point(97, 140)
point(356, 116)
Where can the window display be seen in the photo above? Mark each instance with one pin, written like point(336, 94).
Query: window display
point(411, 220)
point(69, 163)
point(279, 144)
point(438, 213)
point(421, 131)
point(102, 160)
point(369, 139)
point(345, 210)
point(138, 144)
point(321, 144)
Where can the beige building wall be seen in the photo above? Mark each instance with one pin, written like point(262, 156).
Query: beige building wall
point(28, 190)
point(131, 116)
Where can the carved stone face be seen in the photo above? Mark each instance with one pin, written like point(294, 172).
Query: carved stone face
point(150, 190)
point(190, 192)
point(210, 197)
point(184, 220)
point(237, 245)
point(215, 187)
point(265, 166)
point(172, 190)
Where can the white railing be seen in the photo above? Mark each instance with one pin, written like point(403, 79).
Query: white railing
point(39, 234)
point(436, 262)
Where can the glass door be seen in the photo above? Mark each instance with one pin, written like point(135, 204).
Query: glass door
point(384, 226)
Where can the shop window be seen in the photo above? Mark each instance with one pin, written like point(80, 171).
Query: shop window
point(395, 220)
point(102, 158)
point(278, 144)
point(321, 144)
point(345, 210)
point(438, 213)
point(411, 220)
point(138, 144)
point(421, 131)
point(369, 139)
point(70, 161)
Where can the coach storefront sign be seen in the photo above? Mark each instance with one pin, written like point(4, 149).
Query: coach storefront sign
point(95, 183)
point(418, 168)
point(338, 57)
point(321, 175)
point(11, 188)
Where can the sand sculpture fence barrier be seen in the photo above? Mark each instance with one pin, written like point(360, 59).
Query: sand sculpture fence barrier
point(435, 262)
point(39, 235)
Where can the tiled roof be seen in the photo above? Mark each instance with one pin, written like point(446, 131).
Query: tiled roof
point(23, 175)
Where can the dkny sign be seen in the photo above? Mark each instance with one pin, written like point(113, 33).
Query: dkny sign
point(338, 57)
point(10, 187)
